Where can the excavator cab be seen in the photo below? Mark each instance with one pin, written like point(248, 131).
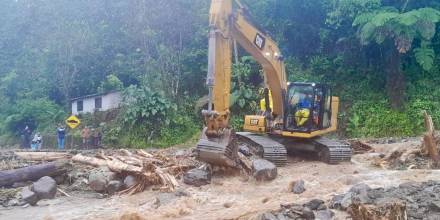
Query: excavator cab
point(308, 107)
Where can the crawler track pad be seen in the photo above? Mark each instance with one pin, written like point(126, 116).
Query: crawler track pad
point(220, 151)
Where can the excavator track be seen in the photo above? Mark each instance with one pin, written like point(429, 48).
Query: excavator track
point(332, 151)
point(267, 148)
point(221, 151)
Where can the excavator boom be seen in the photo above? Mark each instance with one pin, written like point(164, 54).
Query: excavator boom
point(228, 24)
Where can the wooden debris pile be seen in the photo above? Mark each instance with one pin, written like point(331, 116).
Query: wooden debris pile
point(149, 168)
point(360, 147)
point(425, 156)
point(387, 211)
point(431, 140)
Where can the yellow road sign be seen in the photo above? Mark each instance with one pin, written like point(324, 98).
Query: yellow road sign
point(72, 121)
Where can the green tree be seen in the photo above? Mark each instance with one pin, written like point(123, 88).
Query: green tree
point(398, 31)
point(110, 83)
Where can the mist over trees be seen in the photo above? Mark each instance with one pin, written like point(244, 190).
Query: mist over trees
point(379, 56)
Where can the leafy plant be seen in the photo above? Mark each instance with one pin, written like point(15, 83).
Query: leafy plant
point(39, 114)
point(376, 119)
point(110, 83)
point(403, 28)
point(245, 82)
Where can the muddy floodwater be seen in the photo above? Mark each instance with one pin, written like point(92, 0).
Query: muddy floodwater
point(229, 197)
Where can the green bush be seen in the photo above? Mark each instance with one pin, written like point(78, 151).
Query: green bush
point(237, 122)
point(110, 83)
point(39, 114)
point(149, 119)
point(376, 119)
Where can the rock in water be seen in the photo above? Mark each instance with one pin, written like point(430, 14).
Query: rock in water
point(336, 202)
point(130, 181)
point(298, 187)
point(264, 170)
point(359, 193)
point(197, 177)
point(244, 150)
point(268, 216)
point(28, 196)
point(114, 186)
point(324, 214)
point(45, 188)
point(308, 214)
point(99, 178)
point(314, 204)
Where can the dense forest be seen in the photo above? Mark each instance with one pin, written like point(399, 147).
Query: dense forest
point(379, 56)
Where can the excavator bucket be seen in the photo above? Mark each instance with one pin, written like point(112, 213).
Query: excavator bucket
point(219, 151)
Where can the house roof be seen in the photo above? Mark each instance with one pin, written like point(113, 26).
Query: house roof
point(93, 95)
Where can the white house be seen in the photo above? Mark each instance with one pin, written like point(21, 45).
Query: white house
point(96, 102)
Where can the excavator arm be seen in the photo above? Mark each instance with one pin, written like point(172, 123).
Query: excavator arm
point(228, 23)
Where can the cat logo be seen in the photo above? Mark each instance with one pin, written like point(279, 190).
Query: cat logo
point(259, 41)
point(73, 121)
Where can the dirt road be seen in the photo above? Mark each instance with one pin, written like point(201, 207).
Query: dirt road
point(228, 197)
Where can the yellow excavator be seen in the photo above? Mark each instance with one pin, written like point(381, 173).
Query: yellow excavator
point(293, 116)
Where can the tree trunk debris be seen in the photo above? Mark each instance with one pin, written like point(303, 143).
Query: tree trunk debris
point(148, 169)
point(429, 140)
point(42, 156)
point(389, 211)
point(32, 173)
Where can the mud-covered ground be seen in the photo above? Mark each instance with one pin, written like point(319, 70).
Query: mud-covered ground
point(232, 197)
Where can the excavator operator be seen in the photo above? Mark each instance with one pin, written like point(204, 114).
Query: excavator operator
point(303, 112)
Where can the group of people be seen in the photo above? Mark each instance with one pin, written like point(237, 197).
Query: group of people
point(26, 142)
point(91, 137)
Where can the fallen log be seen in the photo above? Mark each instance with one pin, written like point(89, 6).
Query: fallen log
point(89, 160)
point(42, 156)
point(34, 172)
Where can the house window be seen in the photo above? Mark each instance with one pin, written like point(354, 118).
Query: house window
point(79, 106)
point(98, 103)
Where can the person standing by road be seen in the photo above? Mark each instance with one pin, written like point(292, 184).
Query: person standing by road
point(61, 133)
point(26, 135)
point(85, 134)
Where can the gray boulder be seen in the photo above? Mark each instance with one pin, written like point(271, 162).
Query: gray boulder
point(197, 177)
point(114, 186)
point(308, 214)
point(45, 188)
point(314, 204)
point(268, 216)
point(298, 187)
point(346, 201)
point(28, 196)
point(264, 170)
point(244, 150)
point(360, 193)
point(99, 178)
point(130, 181)
point(324, 214)
point(336, 202)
